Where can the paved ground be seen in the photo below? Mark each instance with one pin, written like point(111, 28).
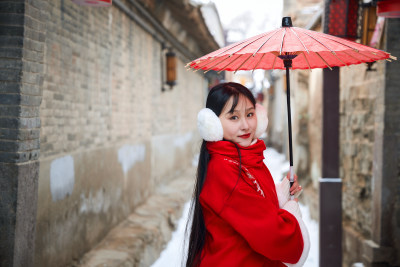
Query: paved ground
point(139, 240)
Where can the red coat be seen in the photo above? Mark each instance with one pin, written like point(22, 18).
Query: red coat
point(245, 226)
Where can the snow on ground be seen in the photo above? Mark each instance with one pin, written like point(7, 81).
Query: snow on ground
point(172, 255)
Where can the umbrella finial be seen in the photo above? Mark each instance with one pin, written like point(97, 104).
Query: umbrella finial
point(287, 22)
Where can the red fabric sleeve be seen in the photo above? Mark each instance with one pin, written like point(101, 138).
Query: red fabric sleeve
point(270, 231)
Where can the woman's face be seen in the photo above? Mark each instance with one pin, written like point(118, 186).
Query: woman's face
point(240, 125)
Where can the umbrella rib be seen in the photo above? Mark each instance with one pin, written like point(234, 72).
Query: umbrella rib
point(273, 64)
point(229, 63)
point(223, 51)
point(283, 37)
point(207, 62)
point(333, 52)
point(248, 44)
point(259, 61)
point(367, 56)
point(340, 59)
point(265, 42)
point(240, 44)
point(242, 64)
point(327, 37)
point(308, 63)
point(223, 59)
point(351, 56)
point(323, 60)
point(300, 40)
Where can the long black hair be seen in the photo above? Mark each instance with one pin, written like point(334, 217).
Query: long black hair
point(216, 101)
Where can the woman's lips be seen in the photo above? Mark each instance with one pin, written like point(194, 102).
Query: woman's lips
point(245, 136)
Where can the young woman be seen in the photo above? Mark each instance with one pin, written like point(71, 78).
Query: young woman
point(240, 218)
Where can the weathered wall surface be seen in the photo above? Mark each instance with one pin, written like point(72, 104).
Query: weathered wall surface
point(361, 112)
point(109, 134)
point(359, 108)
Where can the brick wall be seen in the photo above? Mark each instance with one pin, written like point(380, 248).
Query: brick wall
point(21, 78)
point(109, 134)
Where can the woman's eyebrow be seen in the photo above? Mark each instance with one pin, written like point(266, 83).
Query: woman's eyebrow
point(233, 111)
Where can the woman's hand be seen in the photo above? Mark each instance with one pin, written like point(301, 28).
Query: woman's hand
point(295, 187)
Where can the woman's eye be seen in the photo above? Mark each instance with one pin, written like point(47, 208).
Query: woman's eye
point(234, 118)
point(251, 114)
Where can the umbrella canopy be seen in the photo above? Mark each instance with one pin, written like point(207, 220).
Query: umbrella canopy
point(309, 50)
point(285, 48)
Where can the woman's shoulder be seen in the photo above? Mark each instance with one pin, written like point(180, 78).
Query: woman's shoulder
point(221, 172)
point(221, 164)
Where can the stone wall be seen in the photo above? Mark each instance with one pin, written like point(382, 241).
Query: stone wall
point(109, 134)
point(359, 108)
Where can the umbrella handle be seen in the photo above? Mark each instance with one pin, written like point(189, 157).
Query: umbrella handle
point(291, 180)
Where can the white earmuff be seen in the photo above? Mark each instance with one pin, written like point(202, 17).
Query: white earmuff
point(262, 120)
point(209, 125)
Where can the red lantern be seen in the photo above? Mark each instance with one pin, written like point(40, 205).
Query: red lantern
point(96, 3)
point(341, 18)
point(388, 8)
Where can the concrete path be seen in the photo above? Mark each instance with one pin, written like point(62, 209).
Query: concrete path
point(139, 240)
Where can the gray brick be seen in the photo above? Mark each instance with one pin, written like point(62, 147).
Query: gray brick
point(30, 89)
point(11, 52)
point(30, 100)
point(46, 147)
point(12, 7)
point(58, 97)
point(8, 146)
point(30, 66)
point(19, 146)
point(9, 134)
point(10, 99)
point(9, 87)
point(19, 157)
point(15, 134)
point(32, 12)
point(33, 56)
point(23, 123)
point(10, 111)
point(32, 78)
point(12, 19)
point(10, 75)
point(9, 122)
point(30, 111)
point(11, 41)
point(11, 30)
point(34, 24)
point(28, 123)
point(34, 35)
point(10, 64)
point(40, 5)
point(34, 45)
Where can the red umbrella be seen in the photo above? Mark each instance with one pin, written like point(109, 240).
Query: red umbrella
point(289, 47)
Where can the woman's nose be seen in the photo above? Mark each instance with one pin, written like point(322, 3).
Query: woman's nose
point(244, 125)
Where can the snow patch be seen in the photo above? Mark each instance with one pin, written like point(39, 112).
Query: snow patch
point(96, 203)
point(128, 155)
point(62, 177)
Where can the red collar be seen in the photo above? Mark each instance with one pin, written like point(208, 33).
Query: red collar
point(251, 155)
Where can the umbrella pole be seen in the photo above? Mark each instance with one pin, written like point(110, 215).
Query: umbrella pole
point(288, 64)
